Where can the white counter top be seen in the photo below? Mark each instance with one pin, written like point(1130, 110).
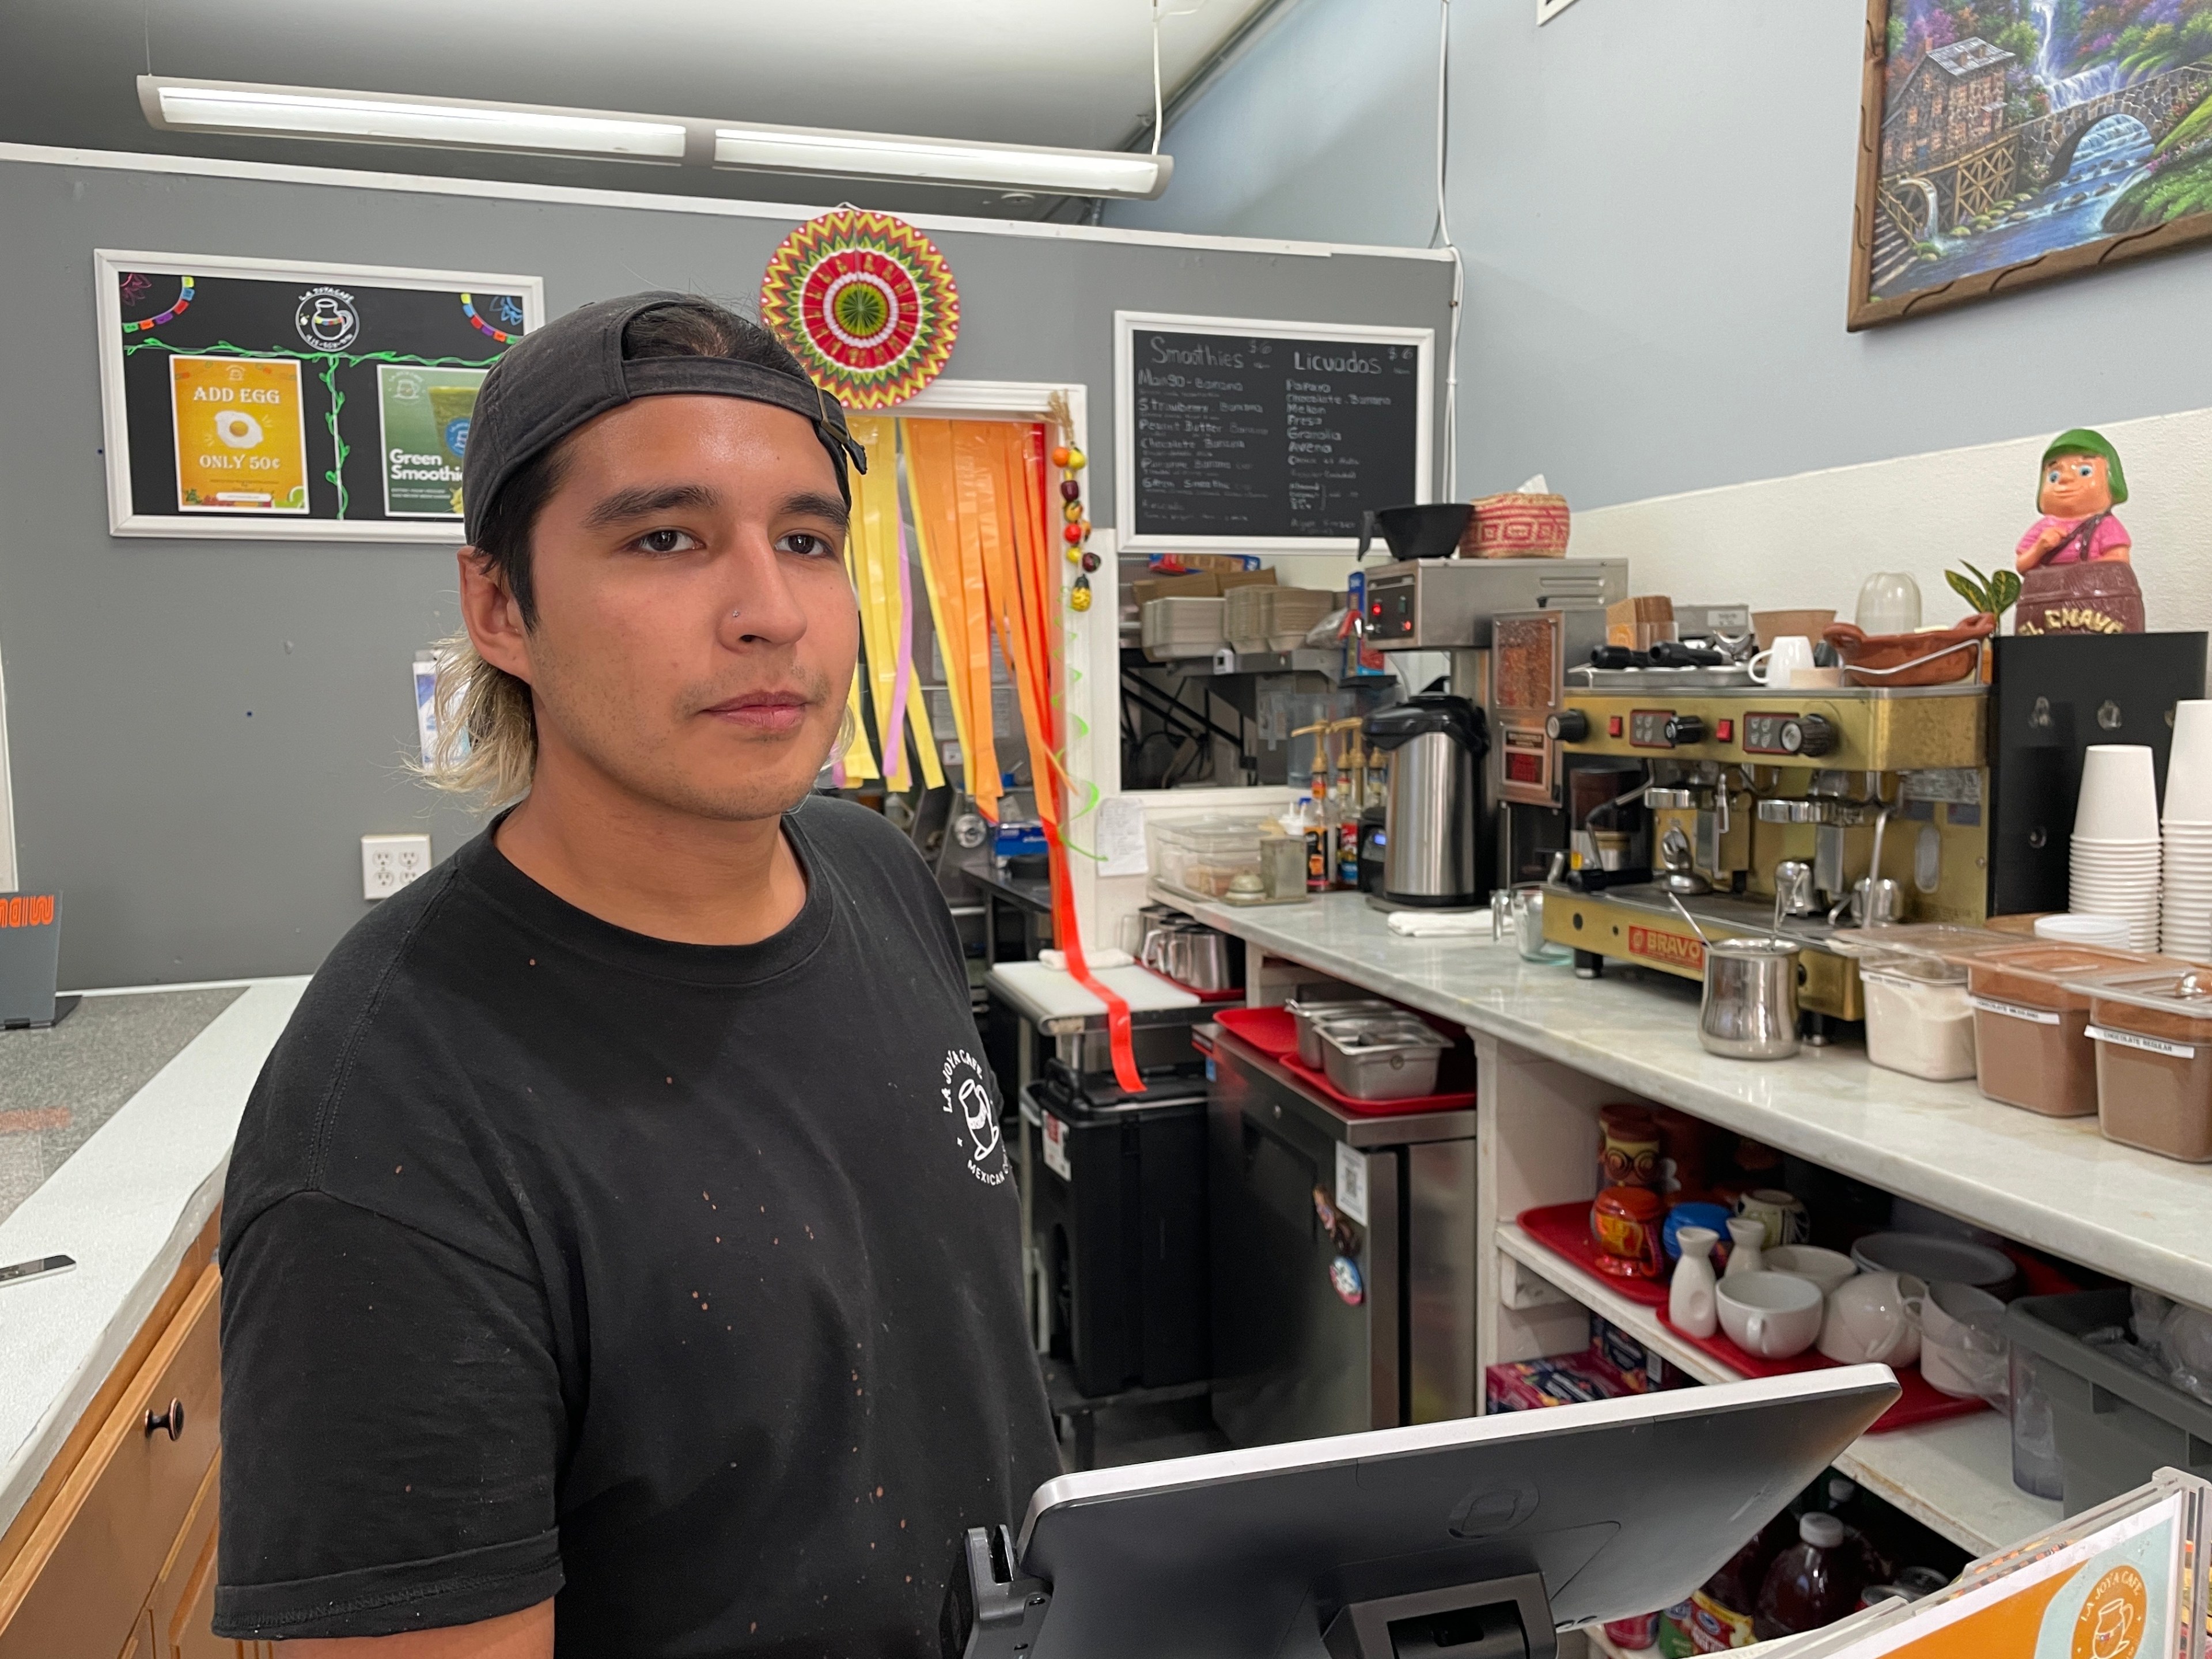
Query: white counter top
point(127, 1205)
point(2054, 1183)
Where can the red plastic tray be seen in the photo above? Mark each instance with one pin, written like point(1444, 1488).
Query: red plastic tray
point(1229, 993)
point(1273, 1032)
point(1565, 1228)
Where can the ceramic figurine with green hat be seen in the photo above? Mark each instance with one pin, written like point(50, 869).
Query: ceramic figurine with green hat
point(2075, 561)
point(2081, 484)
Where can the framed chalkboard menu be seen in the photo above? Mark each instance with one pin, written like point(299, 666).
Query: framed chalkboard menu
point(1242, 435)
point(257, 398)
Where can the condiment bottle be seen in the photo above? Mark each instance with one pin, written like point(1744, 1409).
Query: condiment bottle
point(1719, 1616)
point(1691, 1308)
point(1747, 1254)
point(1813, 1583)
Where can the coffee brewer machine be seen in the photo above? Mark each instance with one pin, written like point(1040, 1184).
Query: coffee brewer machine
point(1809, 812)
point(1452, 605)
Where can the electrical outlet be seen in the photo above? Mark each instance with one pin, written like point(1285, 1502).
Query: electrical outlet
point(388, 863)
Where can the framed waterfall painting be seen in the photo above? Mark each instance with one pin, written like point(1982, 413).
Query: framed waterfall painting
point(2009, 142)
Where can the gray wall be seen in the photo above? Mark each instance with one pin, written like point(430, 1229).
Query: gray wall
point(1655, 203)
point(201, 731)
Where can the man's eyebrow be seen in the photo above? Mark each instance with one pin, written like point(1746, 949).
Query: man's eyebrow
point(813, 503)
point(646, 499)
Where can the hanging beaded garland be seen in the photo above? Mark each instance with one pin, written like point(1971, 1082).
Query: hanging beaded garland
point(866, 301)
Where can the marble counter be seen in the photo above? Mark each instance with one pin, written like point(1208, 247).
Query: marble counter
point(2054, 1183)
point(161, 1096)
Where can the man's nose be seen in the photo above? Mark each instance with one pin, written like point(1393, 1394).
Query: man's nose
point(761, 605)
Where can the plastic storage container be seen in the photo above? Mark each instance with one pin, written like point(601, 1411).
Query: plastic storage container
point(1918, 1020)
point(2114, 1424)
point(2153, 1034)
point(1203, 856)
point(2032, 1045)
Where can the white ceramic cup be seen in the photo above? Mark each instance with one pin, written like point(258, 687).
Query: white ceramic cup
point(1873, 1319)
point(1778, 662)
point(1825, 1268)
point(1962, 1352)
point(1773, 1316)
point(2119, 796)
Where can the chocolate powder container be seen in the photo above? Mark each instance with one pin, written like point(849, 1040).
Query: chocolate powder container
point(2153, 1033)
point(2031, 1044)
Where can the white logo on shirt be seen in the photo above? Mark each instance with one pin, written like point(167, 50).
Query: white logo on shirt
point(968, 1101)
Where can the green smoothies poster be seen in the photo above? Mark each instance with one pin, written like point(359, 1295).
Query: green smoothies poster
point(425, 414)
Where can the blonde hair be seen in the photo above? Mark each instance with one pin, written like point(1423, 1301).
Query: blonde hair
point(486, 743)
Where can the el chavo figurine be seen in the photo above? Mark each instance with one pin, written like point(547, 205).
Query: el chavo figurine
point(2076, 576)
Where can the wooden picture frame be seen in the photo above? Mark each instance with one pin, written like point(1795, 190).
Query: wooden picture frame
point(1999, 176)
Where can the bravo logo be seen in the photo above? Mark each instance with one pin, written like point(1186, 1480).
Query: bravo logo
point(1670, 950)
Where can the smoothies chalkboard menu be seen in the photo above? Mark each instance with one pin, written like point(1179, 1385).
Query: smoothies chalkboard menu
point(1265, 435)
point(253, 398)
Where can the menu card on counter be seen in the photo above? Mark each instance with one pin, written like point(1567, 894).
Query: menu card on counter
point(1259, 435)
point(2125, 1580)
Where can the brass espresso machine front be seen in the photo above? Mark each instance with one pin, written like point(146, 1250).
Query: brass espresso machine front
point(1749, 789)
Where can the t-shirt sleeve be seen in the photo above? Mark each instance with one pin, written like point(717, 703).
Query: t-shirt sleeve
point(393, 1423)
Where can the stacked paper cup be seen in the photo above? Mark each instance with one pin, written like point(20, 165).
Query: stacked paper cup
point(2116, 854)
point(2185, 922)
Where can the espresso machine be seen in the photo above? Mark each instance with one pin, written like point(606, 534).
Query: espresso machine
point(1453, 605)
point(1813, 813)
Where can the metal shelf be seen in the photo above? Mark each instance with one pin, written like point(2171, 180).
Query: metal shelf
point(1954, 1476)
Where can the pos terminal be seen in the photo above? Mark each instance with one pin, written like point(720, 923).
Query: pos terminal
point(1474, 1538)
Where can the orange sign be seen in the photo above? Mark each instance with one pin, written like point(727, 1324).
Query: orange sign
point(241, 435)
point(1668, 949)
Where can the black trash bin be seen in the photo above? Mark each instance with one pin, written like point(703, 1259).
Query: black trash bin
point(1119, 1219)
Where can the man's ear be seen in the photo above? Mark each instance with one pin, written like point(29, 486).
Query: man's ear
point(490, 614)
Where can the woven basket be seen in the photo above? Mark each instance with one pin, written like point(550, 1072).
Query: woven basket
point(1517, 526)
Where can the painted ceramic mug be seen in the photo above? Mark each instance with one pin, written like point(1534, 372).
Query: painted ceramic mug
point(1629, 1147)
point(1784, 1214)
point(1627, 1223)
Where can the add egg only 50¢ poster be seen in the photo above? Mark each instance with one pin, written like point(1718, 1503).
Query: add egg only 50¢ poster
point(241, 435)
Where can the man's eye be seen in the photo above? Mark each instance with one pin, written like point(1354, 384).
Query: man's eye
point(806, 544)
point(667, 541)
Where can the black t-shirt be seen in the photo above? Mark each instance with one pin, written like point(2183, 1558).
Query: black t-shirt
point(681, 1280)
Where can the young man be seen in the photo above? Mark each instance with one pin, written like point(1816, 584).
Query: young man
point(612, 1264)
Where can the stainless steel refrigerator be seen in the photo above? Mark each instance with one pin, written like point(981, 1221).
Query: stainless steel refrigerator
point(1343, 1257)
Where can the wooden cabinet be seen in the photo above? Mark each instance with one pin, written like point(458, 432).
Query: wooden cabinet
point(115, 1553)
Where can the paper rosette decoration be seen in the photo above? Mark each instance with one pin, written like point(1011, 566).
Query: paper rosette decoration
point(866, 301)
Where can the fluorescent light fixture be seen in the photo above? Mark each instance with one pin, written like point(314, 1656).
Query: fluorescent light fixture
point(942, 160)
point(270, 112)
point(370, 117)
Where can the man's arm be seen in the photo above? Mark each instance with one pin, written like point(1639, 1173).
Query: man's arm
point(392, 1422)
point(524, 1635)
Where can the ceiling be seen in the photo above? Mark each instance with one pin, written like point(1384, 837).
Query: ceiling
point(1073, 73)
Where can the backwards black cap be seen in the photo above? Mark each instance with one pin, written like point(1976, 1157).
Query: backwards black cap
point(552, 381)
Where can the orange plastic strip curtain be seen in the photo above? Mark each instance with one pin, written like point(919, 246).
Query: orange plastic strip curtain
point(951, 549)
point(951, 622)
point(1009, 461)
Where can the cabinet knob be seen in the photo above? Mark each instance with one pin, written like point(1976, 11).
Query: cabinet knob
point(171, 1419)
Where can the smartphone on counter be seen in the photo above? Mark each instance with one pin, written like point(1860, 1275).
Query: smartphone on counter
point(37, 1268)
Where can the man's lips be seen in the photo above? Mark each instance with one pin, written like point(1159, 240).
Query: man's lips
point(772, 712)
